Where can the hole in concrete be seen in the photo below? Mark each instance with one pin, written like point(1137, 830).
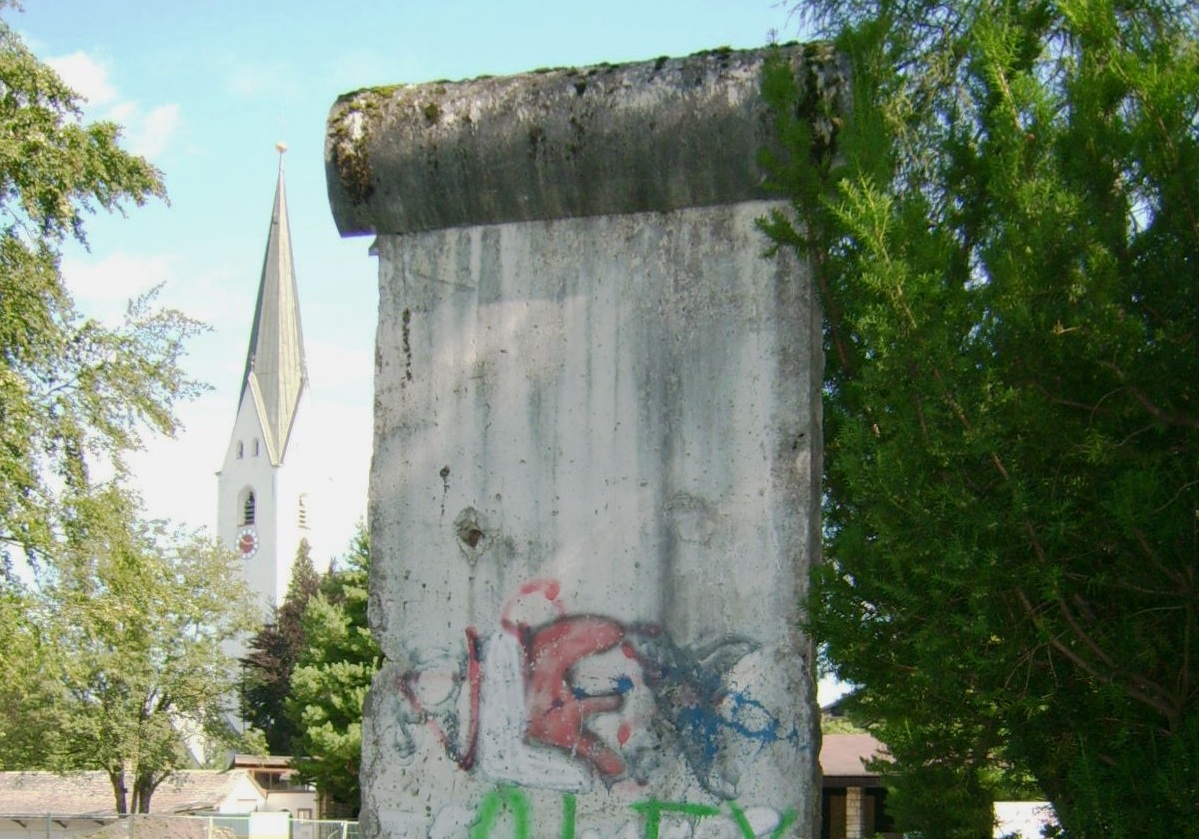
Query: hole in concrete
point(468, 528)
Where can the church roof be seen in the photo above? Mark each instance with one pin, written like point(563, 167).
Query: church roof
point(276, 373)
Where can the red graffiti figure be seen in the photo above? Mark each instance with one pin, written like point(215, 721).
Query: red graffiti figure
point(555, 714)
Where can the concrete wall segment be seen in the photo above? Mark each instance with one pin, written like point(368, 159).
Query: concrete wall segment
point(605, 407)
point(595, 486)
point(651, 136)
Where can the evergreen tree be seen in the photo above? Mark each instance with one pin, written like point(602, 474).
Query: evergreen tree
point(1008, 252)
point(330, 681)
point(272, 656)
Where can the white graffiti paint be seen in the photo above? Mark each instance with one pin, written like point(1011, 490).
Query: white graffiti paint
point(504, 753)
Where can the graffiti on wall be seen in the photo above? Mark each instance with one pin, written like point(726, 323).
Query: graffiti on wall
point(658, 819)
point(563, 701)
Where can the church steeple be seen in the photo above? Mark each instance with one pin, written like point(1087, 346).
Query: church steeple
point(265, 486)
point(275, 374)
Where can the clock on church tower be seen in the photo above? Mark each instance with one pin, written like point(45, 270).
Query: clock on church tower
point(247, 542)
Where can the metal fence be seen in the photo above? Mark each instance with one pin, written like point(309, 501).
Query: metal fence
point(323, 829)
point(238, 825)
point(152, 826)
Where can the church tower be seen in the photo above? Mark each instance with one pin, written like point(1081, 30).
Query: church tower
point(261, 494)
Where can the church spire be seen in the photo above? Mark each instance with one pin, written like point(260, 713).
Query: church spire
point(276, 373)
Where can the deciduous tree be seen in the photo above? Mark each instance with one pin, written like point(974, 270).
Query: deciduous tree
point(1006, 235)
point(73, 392)
point(27, 686)
point(127, 637)
point(112, 625)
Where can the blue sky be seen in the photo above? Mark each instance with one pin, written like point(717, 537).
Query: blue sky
point(205, 90)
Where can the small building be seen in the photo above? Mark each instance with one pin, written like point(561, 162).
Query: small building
point(853, 798)
point(275, 777)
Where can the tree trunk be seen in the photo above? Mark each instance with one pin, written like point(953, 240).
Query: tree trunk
point(119, 790)
point(143, 791)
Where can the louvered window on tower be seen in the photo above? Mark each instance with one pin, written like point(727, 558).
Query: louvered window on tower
point(247, 510)
point(303, 512)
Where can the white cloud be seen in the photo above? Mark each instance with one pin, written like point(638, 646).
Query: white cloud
point(195, 453)
point(149, 135)
point(122, 112)
point(337, 365)
point(86, 76)
point(148, 132)
point(102, 287)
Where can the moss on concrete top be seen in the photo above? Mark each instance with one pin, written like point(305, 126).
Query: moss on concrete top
point(609, 139)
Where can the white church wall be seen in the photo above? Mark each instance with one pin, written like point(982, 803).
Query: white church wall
point(305, 481)
point(247, 468)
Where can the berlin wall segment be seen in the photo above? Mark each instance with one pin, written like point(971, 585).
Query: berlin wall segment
point(594, 493)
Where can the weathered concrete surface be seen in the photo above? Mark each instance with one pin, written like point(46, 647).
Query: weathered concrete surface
point(594, 502)
point(653, 136)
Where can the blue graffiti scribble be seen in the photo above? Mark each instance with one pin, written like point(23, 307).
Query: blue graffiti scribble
point(697, 704)
point(734, 711)
point(621, 685)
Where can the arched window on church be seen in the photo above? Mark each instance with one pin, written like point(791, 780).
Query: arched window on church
point(247, 508)
point(303, 511)
point(255, 447)
point(241, 449)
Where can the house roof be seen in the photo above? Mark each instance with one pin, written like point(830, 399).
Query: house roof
point(241, 761)
point(276, 374)
point(271, 765)
point(845, 755)
point(88, 794)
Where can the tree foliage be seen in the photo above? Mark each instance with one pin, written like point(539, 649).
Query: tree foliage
point(73, 392)
point(126, 668)
point(330, 681)
point(1008, 252)
point(111, 625)
point(272, 656)
point(27, 689)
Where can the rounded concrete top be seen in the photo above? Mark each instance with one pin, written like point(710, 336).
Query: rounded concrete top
point(652, 136)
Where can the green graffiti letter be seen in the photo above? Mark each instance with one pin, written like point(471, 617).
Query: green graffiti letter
point(489, 812)
point(786, 818)
point(653, 810)
point(568, 816)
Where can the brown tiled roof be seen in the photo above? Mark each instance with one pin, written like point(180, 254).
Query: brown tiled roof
point(241, 761)
point(86, 794)
point(845, 755)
